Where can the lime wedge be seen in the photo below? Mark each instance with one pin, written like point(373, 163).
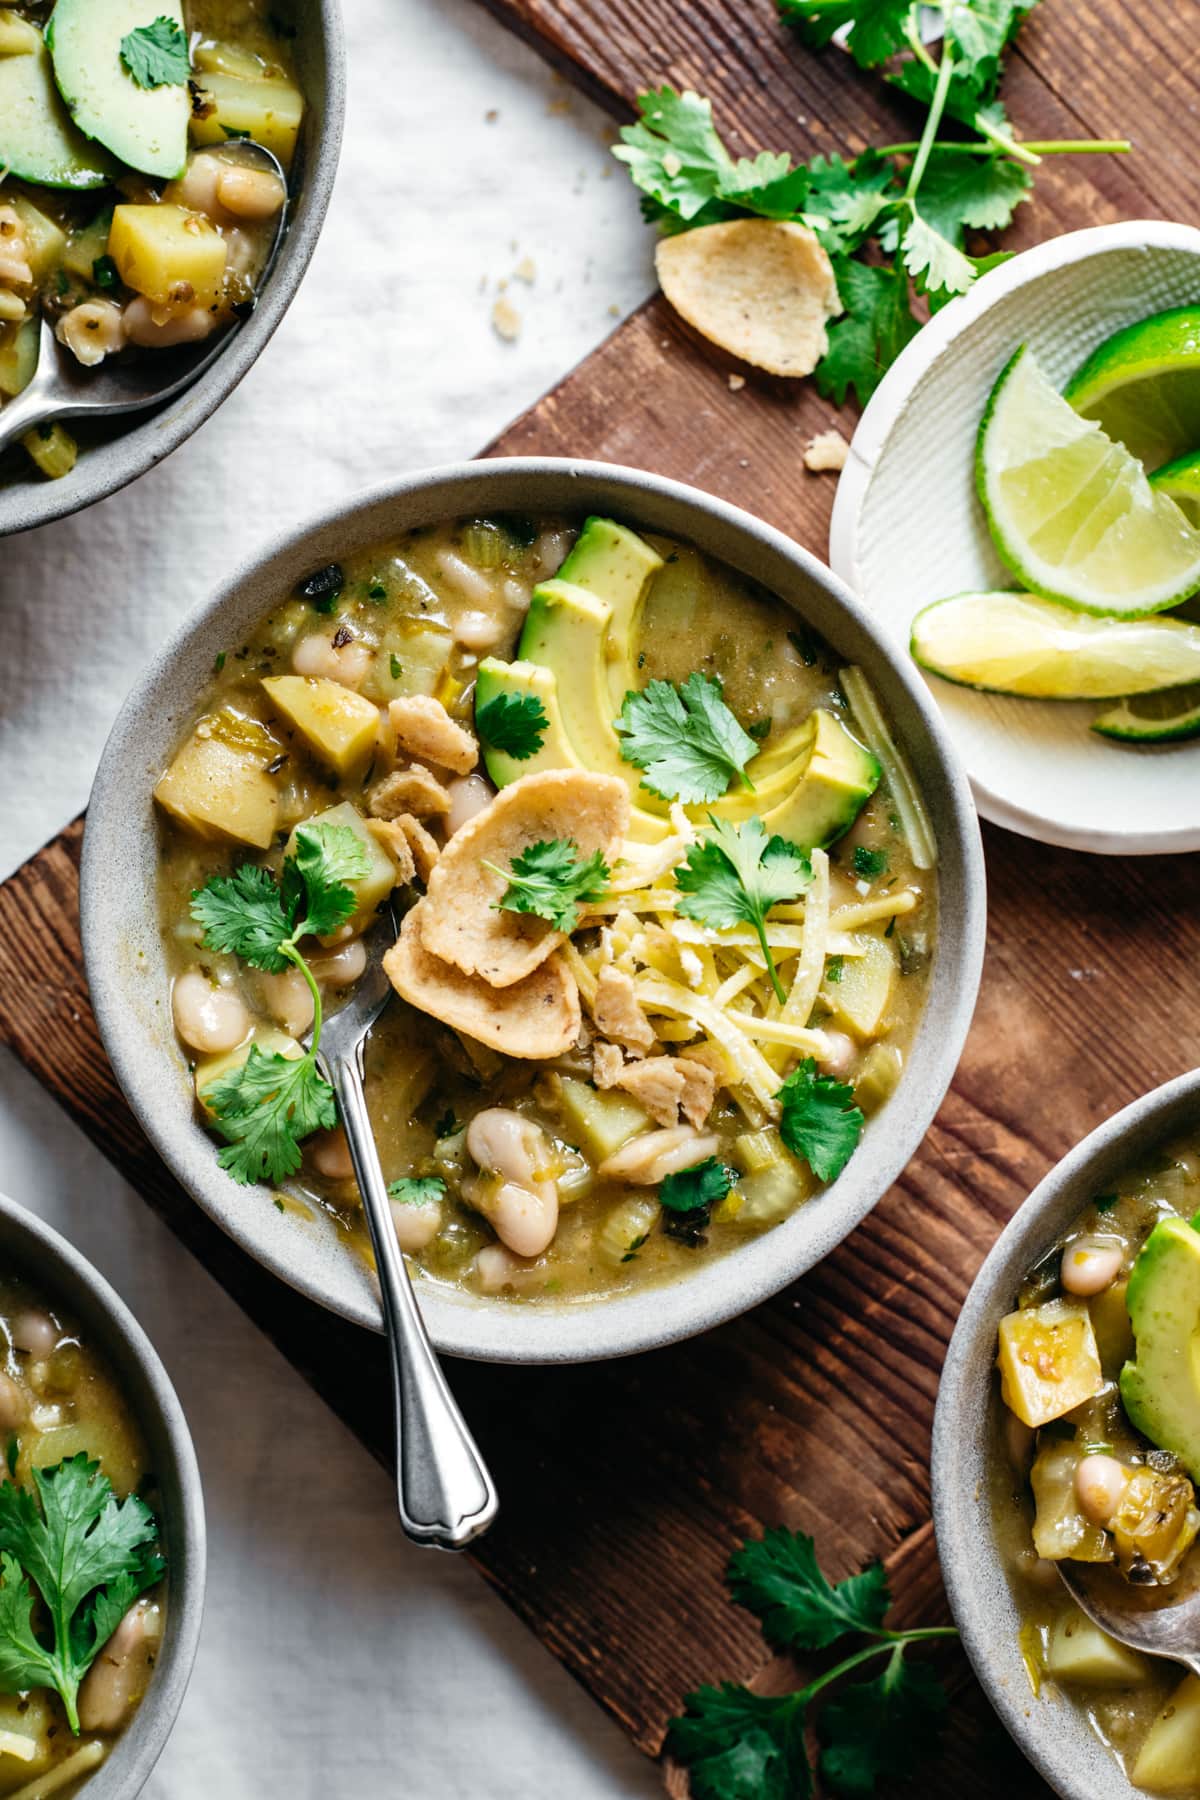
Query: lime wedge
point(1018, 644)
point(1072, 513)
point(1181, 479)
point(1142, 386)
point(1154, 718)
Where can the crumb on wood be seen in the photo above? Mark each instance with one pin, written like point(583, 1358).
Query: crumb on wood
point(506, 320)
point(736, 382)
point(828, 450)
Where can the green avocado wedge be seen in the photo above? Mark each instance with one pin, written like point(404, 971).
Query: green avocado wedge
point(38, 142)
point(146, 127)
point(1160, 1387)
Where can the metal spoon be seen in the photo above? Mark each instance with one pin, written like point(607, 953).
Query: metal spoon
point(445, 1491)
point(62, 388)
point(1158, 1621)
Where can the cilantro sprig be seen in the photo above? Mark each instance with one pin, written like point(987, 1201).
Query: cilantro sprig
point(906, 207)
point(156, 55)
point(514, 724)
point(86, 1556)
point(417, 1190)
point(735, 875)
point(738, 1744)
point(268, 1104)
point(550, 879)
point(685, 738)
point(820, 1120)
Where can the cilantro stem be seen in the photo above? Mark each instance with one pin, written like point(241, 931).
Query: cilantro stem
point(1013, 147)
point(294, 957)
point(760, 927)
point(936, 108)
point(889, 1643)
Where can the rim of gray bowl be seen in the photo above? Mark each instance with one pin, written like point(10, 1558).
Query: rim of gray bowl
point(129, 986)
point(113, 462)
point(1050, 1731)
point(55, 1266)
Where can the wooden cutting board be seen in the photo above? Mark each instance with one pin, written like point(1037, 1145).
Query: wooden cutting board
point(625, 1485)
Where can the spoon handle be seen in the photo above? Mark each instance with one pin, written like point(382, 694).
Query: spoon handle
point(445, 1492)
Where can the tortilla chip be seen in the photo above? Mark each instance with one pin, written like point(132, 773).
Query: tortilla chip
point(535, 1018)
point(462, 923)
point(760, 288)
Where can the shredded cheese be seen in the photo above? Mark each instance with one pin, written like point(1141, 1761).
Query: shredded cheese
point(850, 918)
point(658, 995)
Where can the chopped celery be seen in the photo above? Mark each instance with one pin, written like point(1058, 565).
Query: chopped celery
point(53, 449)
point(876, 1080)
point(1060, 1529)
point(627, 1227)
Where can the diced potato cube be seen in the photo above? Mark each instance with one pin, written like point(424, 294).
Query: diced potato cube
point(1170, 1756)
point(106, 1441)
point(217, 58)
point(1080, 1653)
point(600, 1122)
point(860, 997)
point(220, 790)
point(269, 111)
point(270, 1040)
point(340, 726)
point(409, 660)
point(168, 253)
point(44, 240)
point(1048, 1361)
point(878, 1077)
point(372, 888)
point(30, 1716)
point(1060, 1528)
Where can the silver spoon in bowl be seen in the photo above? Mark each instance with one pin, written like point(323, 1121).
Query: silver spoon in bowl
point(446, 1494)
point(62, 388)
point(1157, 1621)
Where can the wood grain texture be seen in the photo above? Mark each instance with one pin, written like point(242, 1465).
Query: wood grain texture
point(626, 1485)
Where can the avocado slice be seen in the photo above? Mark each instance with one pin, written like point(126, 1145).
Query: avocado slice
point(827, 796)
point(146, 127)
point(611, 561)
point(1160, 1388)
point(494, 678)
point(38, 142)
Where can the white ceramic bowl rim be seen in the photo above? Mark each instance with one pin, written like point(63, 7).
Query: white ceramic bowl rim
point(884, 411)
point(1053, 1735)
point(121, 958)
point(63, 1273)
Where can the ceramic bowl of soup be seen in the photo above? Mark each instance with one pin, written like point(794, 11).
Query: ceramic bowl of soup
point(141, 232)
point(531, 709)
point(1060, 1434)
point(88, 1416)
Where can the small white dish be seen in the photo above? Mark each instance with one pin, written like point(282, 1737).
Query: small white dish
point(908, 529)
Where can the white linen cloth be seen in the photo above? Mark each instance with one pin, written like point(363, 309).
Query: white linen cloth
point(336, 1661)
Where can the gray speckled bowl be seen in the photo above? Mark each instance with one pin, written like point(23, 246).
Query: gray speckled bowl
point(1054, 1736)
point(129, 983)
point(125, 448)
point(33, 1249)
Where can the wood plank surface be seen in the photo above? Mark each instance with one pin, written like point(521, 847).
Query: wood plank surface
point(626, 1484)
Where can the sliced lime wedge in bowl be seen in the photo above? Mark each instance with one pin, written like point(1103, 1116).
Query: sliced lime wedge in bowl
point(1164, 718)
point(1008, 643)
point(1181, 480)
point(1072, 513)
point(1142, 386)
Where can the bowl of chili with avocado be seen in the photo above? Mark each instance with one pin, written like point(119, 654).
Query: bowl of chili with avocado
point(656, 959)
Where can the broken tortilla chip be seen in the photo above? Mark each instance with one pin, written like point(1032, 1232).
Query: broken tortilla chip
point(535, 1018)
point(462, 922)
point(762, 289)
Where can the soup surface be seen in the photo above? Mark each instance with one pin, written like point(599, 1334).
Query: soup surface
point(1096, 1460)
point(61, 1415)
point(589, 776)
point(128, 215)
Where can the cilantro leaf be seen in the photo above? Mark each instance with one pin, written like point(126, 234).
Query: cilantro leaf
point(868, 863)
point(933, 261)
point(820, 1121)
point(326, 860)
point(877, 324)
point(702, 1185)
point(880, 1727)
point(742, 1746)
point(417, 1190)
point(242, 915)
point(156, 55)
point(263, 1108)
point(675, 155)
point(549, 879)
point(514, 724)
point(87, 1555)
point(847, 199)
point(776, 1577)
point(685, 738)
point(876, 26)
point(978, 193)
point(736, 874)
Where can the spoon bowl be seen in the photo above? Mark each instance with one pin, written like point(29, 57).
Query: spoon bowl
point(1158, 1621)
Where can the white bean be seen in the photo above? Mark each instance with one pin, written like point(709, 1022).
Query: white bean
point(342, 967)
point(523, 1218)
point(517, 594)
point(115, 1679)
point(469, 795)
point(346, 662)
point(838, 1056)
point(505, 1143)
point(471, 585)
point(197, 186)
point(13, 1406)
point(1100, 1482)
point(91, 331)
point(250, 193)
point(417, 1224)
point(208, 1018)
point(152, 332)
point(648, 1159)
point(478, 630)
point(331, 1155)
point(497, 1268)
point(35, 1332)
point(1090, 1265)
point(550, 550)
point(287, 998)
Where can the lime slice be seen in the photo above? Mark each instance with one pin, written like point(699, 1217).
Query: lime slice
point(1181, 479)
point(1072, 513)
point(1142, 386)
point(1018, 644)
point(1154, 718)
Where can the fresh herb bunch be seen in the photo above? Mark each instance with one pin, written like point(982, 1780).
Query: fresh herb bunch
point(268, 1104)
point(907, 207)
point(87, 1556)
point(735, 875)
point(685, 738)
point(550, 879)
point(740, 1745)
